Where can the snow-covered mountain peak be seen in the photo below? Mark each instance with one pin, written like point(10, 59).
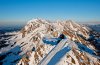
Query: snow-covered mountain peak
point(56, 43)
point(37, 20)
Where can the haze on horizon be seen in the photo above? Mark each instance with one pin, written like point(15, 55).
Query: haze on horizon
point(20, 11)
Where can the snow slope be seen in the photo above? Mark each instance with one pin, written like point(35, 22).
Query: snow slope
point(26, 47)
point(53, 52)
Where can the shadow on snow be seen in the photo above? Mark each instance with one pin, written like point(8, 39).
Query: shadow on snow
point(84, 48)
point(10, 57)
point(59, 55)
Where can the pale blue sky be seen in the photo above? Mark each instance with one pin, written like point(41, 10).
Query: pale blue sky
point(20, 11)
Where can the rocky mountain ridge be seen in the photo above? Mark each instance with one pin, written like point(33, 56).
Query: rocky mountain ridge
point(82, 49)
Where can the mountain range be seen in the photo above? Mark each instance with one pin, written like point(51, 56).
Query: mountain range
point(42, 42)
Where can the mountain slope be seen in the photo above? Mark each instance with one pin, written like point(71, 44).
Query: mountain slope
point(81, 48)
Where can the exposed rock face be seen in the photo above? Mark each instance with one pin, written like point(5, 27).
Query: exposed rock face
point(84, 50)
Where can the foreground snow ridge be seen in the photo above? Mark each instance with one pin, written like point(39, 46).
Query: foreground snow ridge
point(43, 42)
point(53, 52)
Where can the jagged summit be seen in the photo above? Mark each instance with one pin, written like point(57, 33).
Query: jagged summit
point(35, 23)
point(39, 37)
point(38, 20)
